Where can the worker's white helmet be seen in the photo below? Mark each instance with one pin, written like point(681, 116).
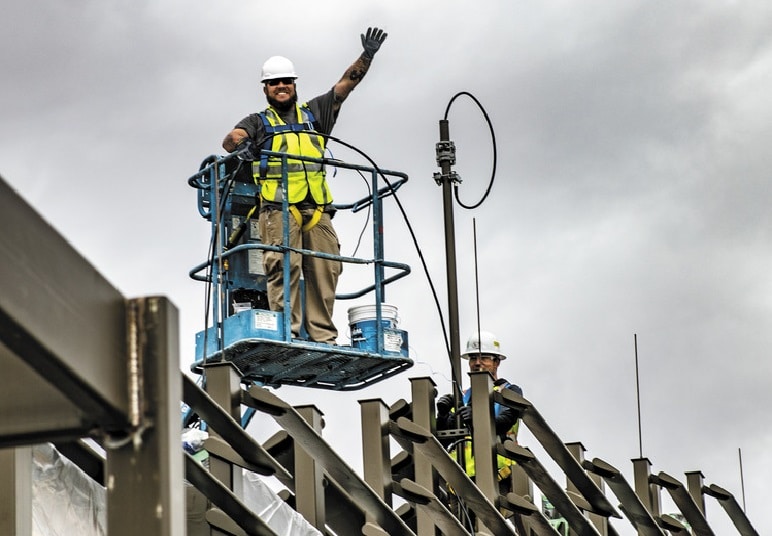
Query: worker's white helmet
point(483, 342)
point(277, 67)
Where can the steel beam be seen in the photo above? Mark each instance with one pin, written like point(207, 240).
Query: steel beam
point(62, 335)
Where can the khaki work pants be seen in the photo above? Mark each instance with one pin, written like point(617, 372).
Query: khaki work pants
point(320, 275)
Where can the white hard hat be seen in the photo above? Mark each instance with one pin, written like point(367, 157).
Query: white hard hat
point(277, 67)
point(483, 342)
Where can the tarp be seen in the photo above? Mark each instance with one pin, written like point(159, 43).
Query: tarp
point(67, 502)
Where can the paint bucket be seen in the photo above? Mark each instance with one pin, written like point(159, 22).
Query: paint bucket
point(362, 324)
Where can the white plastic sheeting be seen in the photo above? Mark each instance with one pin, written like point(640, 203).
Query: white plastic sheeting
point(66, 501)
point(275, 512)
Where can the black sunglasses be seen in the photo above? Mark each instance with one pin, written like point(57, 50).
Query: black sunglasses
point(277, 81)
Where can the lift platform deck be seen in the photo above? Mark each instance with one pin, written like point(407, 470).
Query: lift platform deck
point(263, 356)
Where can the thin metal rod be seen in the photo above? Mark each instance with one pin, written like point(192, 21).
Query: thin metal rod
point(742, 478)
point(476, 277)
point(638, 397)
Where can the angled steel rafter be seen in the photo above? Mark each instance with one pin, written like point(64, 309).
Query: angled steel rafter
point(685, 504)
point(557, 451)
point(631, 504)
point(411, 436)
point(732, 508)
point(289, 419)
point(559, 498)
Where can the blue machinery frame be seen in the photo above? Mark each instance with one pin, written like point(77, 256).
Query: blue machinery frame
point(259, 341)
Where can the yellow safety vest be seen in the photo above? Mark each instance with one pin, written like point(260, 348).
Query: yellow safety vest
point(503, 463)
point(294, 139)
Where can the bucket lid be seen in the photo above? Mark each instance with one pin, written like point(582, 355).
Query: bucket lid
point(370, 312)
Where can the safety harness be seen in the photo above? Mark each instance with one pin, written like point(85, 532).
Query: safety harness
point(504, 464)
point(303, 177)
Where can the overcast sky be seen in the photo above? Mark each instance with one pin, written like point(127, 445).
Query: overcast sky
point(632, 191)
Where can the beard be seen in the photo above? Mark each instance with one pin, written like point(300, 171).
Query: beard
point(283, 106)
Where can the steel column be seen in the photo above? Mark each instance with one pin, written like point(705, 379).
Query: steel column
point(144, 468)
point(423, 392)
point(484, 438)
point(309, 475)
point(644, 488)
point(16, 491)
point(223, 386)
point(577, 450)
point(376, 457)
point(694, 483)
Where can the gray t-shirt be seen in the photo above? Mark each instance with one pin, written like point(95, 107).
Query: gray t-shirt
point(321, 107)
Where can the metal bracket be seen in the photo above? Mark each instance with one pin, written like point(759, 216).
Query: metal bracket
point(446, 152)
point(452, 176)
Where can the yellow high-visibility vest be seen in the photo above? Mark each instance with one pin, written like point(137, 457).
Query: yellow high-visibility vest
point(294, 139)
point(503, 463)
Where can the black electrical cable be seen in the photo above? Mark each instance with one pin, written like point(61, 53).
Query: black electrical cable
point(367, 217)
point(410, 230)
point(493, 141)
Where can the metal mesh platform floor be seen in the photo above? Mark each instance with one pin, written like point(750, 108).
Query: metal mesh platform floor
point(308, 364)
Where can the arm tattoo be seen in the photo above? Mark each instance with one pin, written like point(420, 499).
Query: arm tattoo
point(358, 70)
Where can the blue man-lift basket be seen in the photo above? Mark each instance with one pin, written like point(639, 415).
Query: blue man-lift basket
point(257, 341)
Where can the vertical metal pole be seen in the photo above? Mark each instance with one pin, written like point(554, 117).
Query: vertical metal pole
point(646, 491)
point(450, 256)
point(742, 476)
point(380, 288)
point(376, 459)
point(694, 482)
point(484, 439)
point(16, 491)
point(577, 450)
point(287, 254)
point(223, 385)
point(638, 397)
point(144, 469)
point(309, 476)
point(423, 392)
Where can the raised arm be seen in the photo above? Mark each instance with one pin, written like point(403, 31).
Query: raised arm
point(371, 42)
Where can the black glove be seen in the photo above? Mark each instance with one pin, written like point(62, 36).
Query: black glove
point(444, 403)
point(465, 414)
point(248, 150)
point(372, 41)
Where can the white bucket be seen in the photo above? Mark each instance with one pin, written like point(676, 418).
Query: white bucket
point(368, 313)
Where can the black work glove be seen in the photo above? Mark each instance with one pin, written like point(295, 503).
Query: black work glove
point(444, 403)
point(373, 41)
point(465, 414)
point(248, 150)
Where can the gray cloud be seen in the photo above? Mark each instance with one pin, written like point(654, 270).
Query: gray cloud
point(631, 194)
